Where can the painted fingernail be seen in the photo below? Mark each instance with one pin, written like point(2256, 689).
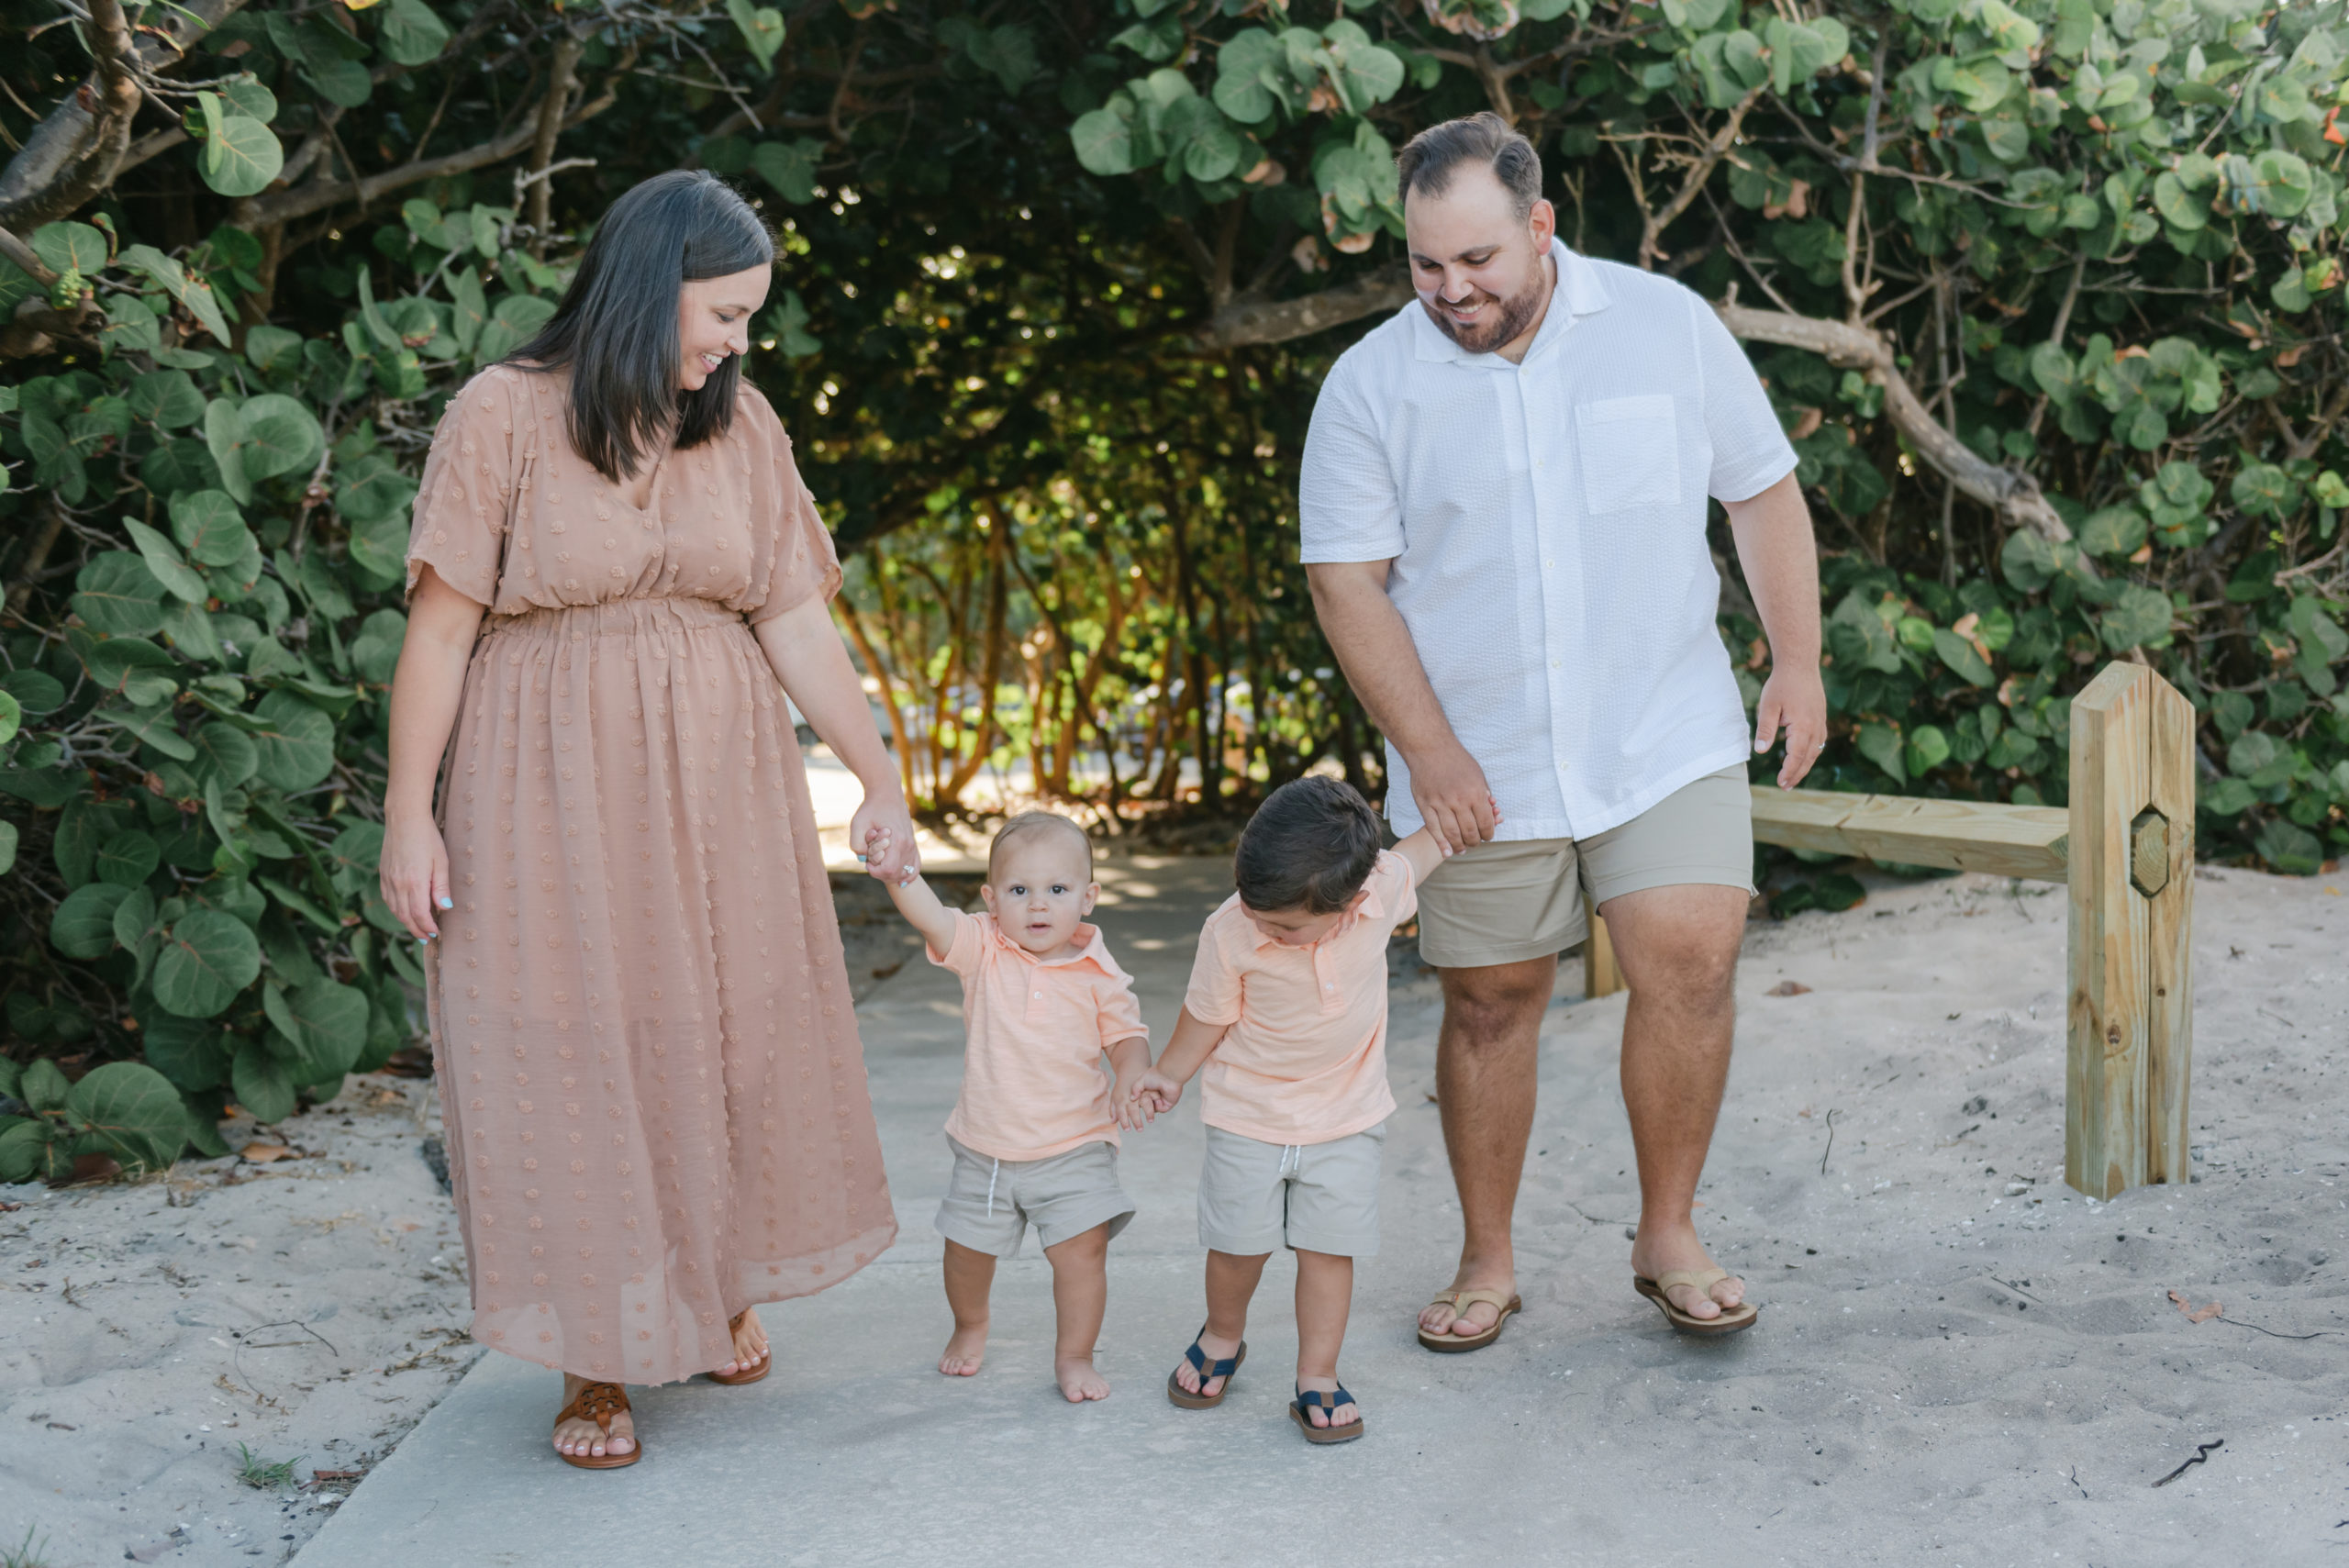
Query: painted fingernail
point(447, 903)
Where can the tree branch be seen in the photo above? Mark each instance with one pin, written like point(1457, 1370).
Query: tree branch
point(1245, 321)
point(2014, 497)
point(72, 155)
point(1701, 170)
point(561, 74)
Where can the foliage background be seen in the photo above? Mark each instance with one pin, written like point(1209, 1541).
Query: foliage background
point(2047, 293)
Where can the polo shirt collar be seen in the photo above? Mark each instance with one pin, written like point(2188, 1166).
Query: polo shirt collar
point(1090, 949)
point(1579, 290)
point(1373, 905)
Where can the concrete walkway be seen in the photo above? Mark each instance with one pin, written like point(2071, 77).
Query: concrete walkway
point(1920, 1390)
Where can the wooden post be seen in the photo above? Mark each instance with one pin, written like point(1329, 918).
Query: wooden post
point(1600, 977)
point(2131, 879)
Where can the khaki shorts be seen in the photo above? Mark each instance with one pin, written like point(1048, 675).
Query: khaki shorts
point(990, 1202)
point(1256, 1196)
point(1504, 903)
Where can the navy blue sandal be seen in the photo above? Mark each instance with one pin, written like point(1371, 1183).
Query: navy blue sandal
point(1209, 1371)
point(1314, 1399)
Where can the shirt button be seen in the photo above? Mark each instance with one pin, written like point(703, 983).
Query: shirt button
point(1039, 995)
point(1552, 562)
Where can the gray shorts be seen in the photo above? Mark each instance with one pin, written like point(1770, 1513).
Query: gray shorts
point(1323, 1197)
point(1527, 898)
point(990, 1202)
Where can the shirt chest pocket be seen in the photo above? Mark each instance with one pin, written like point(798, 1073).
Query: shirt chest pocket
point(1629, 449)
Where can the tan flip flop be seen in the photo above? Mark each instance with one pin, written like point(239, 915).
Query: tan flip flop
point(600, 1402)
point(1459, 1301)
point(736, 1379)
point(1733, 1319)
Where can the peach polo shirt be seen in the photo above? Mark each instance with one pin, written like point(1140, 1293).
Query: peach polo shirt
point(1304, 1057)
point(1032, 1083)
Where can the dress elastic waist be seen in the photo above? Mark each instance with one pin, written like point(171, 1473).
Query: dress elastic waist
point(615, 617)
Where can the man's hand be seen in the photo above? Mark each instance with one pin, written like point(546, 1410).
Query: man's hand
point(1452, 797)
point(1795, 699)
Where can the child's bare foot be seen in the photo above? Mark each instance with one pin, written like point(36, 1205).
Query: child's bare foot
point(584, 1437)
point(1079, 1382)
point(964, 1351)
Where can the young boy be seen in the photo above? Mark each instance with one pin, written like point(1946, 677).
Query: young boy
point(1035, 1131)
point(1287, 1012)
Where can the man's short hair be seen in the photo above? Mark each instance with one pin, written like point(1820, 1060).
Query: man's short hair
point(1310, 846)
point(1427, 159)
point(1029, 823)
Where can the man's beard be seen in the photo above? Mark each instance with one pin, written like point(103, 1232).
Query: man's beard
point(1496, 330)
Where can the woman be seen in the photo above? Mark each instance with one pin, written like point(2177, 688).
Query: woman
point(641, 1027)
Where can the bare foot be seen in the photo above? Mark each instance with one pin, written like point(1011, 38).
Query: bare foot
point(964, 1351)
point(1344, 1415)
point(586, 1438)
point(1078, 1381)
point(1443, 1318)
point(1662, 1249)
point(750, 1343)
point(1215, 1347)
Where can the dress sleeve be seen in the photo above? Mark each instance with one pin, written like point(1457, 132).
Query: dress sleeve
point(1213, 997)
point(804, 563)
point(459, 522)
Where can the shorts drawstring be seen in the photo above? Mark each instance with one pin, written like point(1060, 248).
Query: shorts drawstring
point(1291, 1161)
point(991, 1176)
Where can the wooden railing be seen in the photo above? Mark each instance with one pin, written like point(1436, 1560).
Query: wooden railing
point(2125, 850)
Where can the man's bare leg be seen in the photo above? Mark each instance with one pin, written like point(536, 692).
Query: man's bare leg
point(1485, 1070)
point(1678, 948)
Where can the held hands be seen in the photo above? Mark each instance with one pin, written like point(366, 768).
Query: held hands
point(1454, 799)
point(889, 852)
point(1134, 1111)
point(1795, 698)
point(1152, 1093)
point(413, 873)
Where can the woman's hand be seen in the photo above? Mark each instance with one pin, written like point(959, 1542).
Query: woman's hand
point(885, 828)
point(415, 874)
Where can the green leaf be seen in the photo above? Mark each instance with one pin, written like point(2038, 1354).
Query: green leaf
point(189, 1052)
point(1104, 142)
point(261, 1084)
point(166, 399)
point(83, 925)
point(2113, 531)
point(2028, 560)
point(224, 432)
point(1960, 655)
point(2179, 207)
point(1857, 634)
point(8, 848)
point(375, 652)
point(209, 528)
point(131, 1112)
point(195, 294)
point(2138, 618)
point(327, 1021)
point(411, 33)
point(1928, 748)
point(762, 28)
point(128, 859)
point(12, 717)
point(244, 155)
point(226, 753)
point(208, 957)
point(281, 436)
point(70, 248)
point(24, 1149)
point(36, 690)
point(789, 167)
point(2292, 850)
point(296, 742)
point(43, 1087)
point(118, 596)
point(469, 309)
point(134, 918)
point(162, 559)
point(1880, 744)
point(154, 727)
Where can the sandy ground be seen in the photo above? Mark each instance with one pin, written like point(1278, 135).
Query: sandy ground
point(1961, 1361)
point(310, 1309)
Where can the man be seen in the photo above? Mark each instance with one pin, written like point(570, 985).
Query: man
point(1503, 508)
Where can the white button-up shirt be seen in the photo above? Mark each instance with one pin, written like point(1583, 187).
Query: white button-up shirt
point(1546, 523)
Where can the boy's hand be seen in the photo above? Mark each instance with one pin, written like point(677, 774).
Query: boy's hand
point(1161, 1091)
point(1133, 1114)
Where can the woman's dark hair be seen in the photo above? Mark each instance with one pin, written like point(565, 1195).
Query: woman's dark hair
point(1310, 846)
point(616, 326)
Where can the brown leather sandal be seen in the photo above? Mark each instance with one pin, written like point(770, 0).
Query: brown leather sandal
point(600, 1402)
point(736, 1379)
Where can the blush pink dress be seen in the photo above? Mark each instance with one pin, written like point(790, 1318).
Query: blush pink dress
point(647, 1061)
